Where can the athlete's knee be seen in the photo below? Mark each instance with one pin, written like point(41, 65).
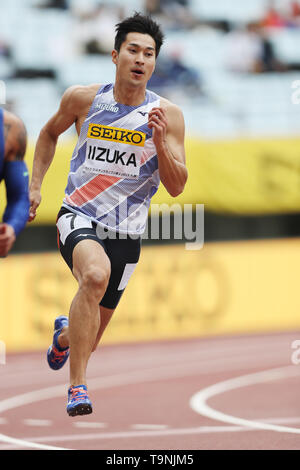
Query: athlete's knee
point(95, 280)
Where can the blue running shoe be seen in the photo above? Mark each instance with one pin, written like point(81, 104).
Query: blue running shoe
point(56, 356)
point(78, 401)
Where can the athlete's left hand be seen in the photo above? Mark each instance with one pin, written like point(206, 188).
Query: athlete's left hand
point(158, 123)
point(7, 239)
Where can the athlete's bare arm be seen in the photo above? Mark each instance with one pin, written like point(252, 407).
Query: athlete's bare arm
point(73, 109)
point(168, 127)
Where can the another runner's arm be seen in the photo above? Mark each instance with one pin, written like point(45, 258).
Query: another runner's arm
point(15, 175)
point(46, 144)
point(168, 136)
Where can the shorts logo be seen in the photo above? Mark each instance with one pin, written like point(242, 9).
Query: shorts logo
point(115, 134)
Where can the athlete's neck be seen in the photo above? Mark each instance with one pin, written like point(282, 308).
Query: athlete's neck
point(128, 95)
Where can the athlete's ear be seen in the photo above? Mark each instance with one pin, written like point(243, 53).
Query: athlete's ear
point(114, 55)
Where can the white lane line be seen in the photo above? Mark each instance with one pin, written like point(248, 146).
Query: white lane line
point(128, 435)
point(292, 419)
point(85, 424)
point(153, 427)
point(37, 422)
point(168, 432)
point(23, 443)
point(136, 434)
point(31, 397)
point(198, 402)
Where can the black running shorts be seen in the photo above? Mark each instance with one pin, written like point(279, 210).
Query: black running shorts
point(123, 253)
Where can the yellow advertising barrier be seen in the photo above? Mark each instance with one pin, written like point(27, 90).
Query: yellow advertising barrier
point(225, 288)
point(240, 177)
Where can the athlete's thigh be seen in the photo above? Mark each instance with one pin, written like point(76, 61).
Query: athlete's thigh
point(88, 255)
point(79, 244)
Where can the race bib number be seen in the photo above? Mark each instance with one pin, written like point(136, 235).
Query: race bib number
point(67, 223)
point(113, 151)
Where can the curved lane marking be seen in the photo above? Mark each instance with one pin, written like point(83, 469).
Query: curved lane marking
point(198, 402)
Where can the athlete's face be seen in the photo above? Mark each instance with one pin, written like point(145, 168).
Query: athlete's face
point(136, 60)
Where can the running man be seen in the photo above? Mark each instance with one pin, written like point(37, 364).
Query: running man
point(13, 170)
point(129, 139)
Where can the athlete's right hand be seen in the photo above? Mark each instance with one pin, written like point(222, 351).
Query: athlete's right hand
point(7, 239)
point(35, 200)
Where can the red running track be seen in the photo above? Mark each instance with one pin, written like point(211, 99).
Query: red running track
point(216, 393)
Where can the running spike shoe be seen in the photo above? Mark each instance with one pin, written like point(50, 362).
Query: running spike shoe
point(57, 356)
point(78, 401)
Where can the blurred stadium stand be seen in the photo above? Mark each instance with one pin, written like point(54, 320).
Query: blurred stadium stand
point(46, 56)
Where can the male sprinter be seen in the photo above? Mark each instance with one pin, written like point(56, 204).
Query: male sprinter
point(129, 140)
point(13, 171)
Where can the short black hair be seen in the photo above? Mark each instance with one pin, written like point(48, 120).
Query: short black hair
point(139, 24)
